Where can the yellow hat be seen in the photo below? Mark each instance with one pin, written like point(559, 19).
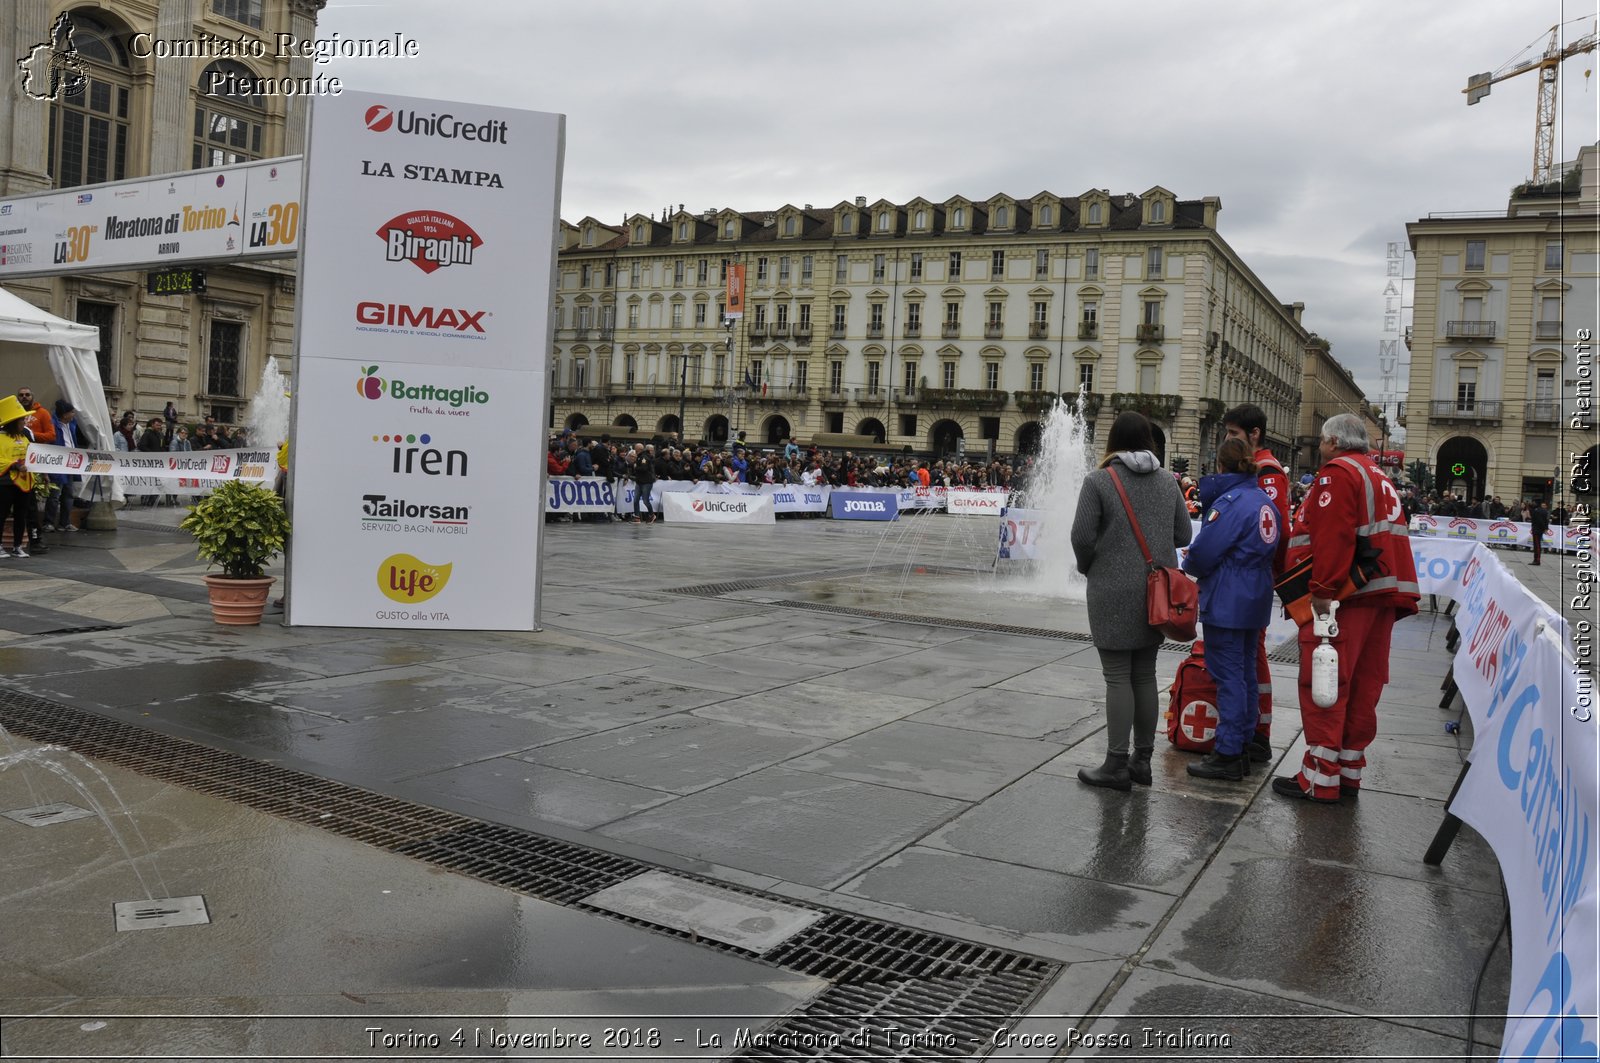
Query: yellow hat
point(11, 409)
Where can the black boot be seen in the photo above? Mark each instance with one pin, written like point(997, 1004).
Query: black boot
point(1139, 765)
point(1113, 774)
point(1258, 749)
point(1219, 766)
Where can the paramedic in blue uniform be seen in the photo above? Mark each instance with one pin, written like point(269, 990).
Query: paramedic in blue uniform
point(1232, 558)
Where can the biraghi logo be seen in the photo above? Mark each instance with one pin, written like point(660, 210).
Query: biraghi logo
point(414, 320)
point(370, 386)
point(429, 239)
point(381, 119)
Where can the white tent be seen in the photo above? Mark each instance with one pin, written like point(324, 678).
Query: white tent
point(70, 350)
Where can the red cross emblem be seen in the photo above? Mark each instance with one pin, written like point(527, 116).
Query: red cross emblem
point(1269, 524)
point(1199, 721)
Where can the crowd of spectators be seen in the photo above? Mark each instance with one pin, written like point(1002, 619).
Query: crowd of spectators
point(164, 432)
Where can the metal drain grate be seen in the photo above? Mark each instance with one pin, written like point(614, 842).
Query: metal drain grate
point(934, 989)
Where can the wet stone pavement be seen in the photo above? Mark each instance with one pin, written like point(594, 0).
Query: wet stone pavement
point(920, 773)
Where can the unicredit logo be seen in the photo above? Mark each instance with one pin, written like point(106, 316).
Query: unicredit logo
point(381, 119)
point(434, 319)
point(851, 506)
point(714, 505)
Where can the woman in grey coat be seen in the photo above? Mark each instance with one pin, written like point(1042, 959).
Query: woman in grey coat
point(1109, 555)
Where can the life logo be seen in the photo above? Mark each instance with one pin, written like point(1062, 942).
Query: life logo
point(380, 118)
point(429, 239)
point(408, 580)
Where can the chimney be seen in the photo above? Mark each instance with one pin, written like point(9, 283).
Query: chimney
point(808, 208)
point(861, 201)
point(680, 208)
point(1297, 309)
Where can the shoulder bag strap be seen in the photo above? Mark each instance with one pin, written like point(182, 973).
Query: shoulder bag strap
point(1127, 506)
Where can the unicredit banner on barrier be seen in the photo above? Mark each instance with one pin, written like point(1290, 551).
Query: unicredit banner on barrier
point(687, 507)
point(865, 505)
point(419, 302)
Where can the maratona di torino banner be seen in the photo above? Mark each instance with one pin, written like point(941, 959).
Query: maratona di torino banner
point(419, 302)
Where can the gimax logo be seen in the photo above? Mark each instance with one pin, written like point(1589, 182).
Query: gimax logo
point(406, 579)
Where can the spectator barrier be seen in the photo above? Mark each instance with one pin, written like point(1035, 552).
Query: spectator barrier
point(1496, 532)
point(161, 472)
point(987, 503)
point(595, 494)
point(864, 504)
point(707, 507)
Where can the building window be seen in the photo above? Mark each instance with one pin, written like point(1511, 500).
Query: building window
point(1552, 255)
point(1472, 308)
point(702, 271)
point(958, 218)
point(874, 376)
point(761, 316)
point(991, 375)
point(223, 358)
point(1152, 267)
point(955, 266)
point(805, 269)
point(585, 275)
point(783, 270)
point(910, 377)
point(229, 120)
point(1041, 313)
point(699, 314)
point(1152, 311)
point(838, 320)
point(1095, 213)
point(1036, 376)
point(89, 129)
point(997, 266)
point(677, 272)
point(611, 274)
point(1091, 312)
point(1041, 264)
point(727, 229)
point(1086, 376)
point(683, 230)
point(580, 374)
point(1475, 249)
point(633, 274)
point(847, 223)
point(1544, 387)
point(1091, 264)
point(628, 367)
point(761, 269)
point(913, 319)
point(783, 316)
point(947, 376)
point(1047, 215)
point(102, 316)
point(1467, 389)
point(877, 267)
point(677, 315)
point(719, 369)
point(638, 233)
point(1158, 211)
point(1147, 379)
point(996, 314)
point(883, 221)
point(588, 237)
point(247, 12)
point(788, 225)
point(922, 219)
point(952, 315)
point(633, 315)
point(836, 376)
point(1002, 217)
point(841, 269)
point(800, 371)
point(583, 317)
point(916, 265)
point(876, 317)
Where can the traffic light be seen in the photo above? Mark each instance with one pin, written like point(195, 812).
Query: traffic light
point(1180, 465)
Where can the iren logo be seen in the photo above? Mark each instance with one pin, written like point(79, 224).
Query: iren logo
point(429, 461)
point(408, 580)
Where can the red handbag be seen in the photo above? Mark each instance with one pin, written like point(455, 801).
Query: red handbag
point(1172, 599)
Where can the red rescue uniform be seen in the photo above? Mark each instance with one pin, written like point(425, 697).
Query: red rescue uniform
point(1351, 496)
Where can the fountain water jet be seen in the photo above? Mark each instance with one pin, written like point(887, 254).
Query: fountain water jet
point(1065, 461)
point(267, 416)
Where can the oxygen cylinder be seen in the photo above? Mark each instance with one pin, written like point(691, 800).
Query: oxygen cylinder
point(1325, 659)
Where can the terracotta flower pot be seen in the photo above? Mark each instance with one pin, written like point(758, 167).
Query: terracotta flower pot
point(238, 601)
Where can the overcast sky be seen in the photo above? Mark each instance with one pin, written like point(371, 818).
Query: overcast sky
point(1323, 128)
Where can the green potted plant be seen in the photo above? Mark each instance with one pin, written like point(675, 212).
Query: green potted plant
point(239, 526)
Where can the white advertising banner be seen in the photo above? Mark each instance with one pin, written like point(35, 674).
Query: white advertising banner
point(1492, 532)
point(425, 284)
point(230, 212)
point(797, 498)
point(580, 494)
point(201, 466)
point(695, 507)
point(985, 503)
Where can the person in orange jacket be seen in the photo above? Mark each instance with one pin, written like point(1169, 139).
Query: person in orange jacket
point(40, 424)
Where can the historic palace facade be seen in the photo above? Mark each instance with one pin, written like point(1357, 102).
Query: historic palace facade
point(1501, 394)
point(928, 326)
point(147, 111)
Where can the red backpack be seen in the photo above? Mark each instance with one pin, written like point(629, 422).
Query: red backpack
point(1192, 706)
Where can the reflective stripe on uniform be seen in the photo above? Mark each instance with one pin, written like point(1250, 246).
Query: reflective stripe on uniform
point(1317, 778)
point(1350, 773)
point(1299, 540)
point(1323, 753)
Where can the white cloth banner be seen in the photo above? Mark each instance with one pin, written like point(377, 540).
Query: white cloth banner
point(580, 494)
point(987, 503)
point(696, 507)
point(796, 498)
point(209, 466)
point(920, 497)
point(1493, 532)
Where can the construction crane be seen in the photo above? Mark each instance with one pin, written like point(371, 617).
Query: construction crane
point(1549, 67)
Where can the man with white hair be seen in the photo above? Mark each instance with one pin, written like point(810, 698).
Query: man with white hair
point(1351, 514)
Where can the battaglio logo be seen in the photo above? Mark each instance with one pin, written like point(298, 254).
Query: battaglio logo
point(373, 387)
point(429, 239)
point(408, 580)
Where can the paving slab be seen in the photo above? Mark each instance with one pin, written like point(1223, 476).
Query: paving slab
point(810, 709)
point(1009, 712)
point(791, 824)
point(537, 791)
point(945, 761)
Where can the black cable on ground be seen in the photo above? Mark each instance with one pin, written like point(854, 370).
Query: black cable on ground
point(1477, 986)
